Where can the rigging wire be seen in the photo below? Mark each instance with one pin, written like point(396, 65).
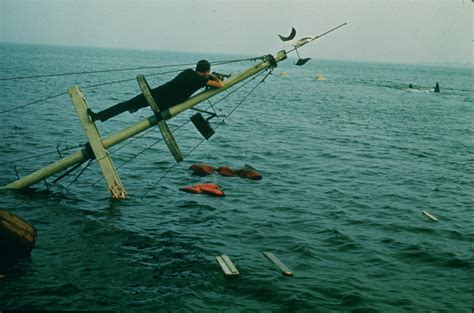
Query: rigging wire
point(79, 175)
point(140, 136)
point(128, 79)
point(140, 152)
point(34, 102)
point(120, 81)
point(92, 72)
point(62, 176)
point(125, 69)
point(132, 140)
point(114, 151)
point(220, 123)
point(112, 82)
point(170, 168)
point(92, 86)
point(245, 98)
point(84, 87)
point(42, 154)
point(182, 125)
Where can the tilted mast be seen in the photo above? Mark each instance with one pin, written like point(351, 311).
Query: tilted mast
point(97, 147)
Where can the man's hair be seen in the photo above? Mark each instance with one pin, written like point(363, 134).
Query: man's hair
point(203, 66)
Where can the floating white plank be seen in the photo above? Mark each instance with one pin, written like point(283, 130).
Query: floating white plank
point(428, 215)
point(227, 266)
point(284, 270)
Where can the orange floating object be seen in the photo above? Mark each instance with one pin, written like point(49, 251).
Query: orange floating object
point(249, 173)
point(206, 188)
point(207, 185)
point(191, 189)
point(225, 171)
point(202, 169)
point(213, 192)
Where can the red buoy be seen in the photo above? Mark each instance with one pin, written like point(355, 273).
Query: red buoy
point(191, 189)
point(212, 192)
point(202, 169)
point(250, 173)
point(207, 188)
point(225, 171)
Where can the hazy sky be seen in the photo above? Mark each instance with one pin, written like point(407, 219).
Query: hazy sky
point(434, 31)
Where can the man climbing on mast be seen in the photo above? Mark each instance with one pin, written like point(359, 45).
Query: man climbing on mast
point(167, 95)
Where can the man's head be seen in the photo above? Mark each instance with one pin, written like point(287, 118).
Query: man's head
point(203, 67)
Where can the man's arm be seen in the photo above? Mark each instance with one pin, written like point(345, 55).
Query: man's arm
point(214, 82)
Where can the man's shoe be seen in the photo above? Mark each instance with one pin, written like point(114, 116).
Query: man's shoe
point(93, 116)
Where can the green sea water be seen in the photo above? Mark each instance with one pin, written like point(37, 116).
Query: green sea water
point(349, 163)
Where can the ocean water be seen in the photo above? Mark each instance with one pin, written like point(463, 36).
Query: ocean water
point(349, 163)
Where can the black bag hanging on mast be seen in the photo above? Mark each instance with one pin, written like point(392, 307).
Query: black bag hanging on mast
point(202, 125)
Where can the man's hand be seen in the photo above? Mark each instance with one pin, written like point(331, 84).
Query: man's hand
point(214, 77)
point(220, 76)
point(215, 82)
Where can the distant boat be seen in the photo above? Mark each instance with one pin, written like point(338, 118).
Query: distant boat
point(284, 74)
